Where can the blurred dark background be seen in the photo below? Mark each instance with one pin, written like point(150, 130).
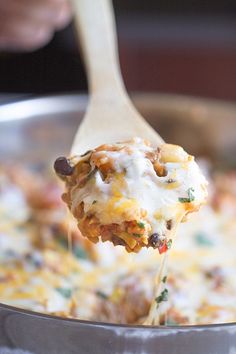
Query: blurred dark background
point(185, 47)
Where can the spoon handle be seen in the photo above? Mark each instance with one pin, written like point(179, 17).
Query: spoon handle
point(110, 114)
point(96, 27)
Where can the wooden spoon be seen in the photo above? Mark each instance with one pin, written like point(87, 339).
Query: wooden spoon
point(111, 116)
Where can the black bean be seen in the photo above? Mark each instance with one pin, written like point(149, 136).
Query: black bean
point(63, 167)
point(154, 240)
point(169, 224)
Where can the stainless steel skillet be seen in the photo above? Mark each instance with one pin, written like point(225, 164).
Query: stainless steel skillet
point(42, 128)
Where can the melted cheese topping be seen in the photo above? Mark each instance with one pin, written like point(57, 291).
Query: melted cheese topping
point(38, 273)
point(146, 185)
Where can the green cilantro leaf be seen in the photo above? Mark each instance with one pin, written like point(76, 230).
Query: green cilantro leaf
point(79, 252)
point(169, 243)
point(137, 235)
point(164, 279)
point(162, 297)
point(65, 292)
point(190, 198)
point(141, 225)
point(202, 240)
point(101, 294)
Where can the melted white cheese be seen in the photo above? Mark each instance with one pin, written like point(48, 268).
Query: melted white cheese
point(139, 187)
